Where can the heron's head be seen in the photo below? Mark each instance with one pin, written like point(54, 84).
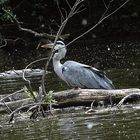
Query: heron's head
point(59, 48)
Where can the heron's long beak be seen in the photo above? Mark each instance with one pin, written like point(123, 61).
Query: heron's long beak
point(50, 45)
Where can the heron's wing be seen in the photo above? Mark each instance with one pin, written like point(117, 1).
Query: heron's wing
point(84, 76)
point(104, 78)
point(80, 65)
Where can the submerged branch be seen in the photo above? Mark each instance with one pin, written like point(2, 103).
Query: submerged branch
point(130, 96)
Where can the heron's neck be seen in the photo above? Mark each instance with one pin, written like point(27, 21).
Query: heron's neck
point(56, 61)
point(56, 64)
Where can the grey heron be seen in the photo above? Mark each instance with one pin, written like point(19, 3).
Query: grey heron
point(77, 74)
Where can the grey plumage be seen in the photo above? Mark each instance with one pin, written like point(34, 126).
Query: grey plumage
point(76, 74)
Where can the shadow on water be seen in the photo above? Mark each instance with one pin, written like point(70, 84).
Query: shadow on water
point(120, 61)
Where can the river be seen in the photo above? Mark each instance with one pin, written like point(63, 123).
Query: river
point(120, 60)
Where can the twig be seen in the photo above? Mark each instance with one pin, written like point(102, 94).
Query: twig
point(80, 9)
point(42, 111)
point(104, 4)
point(91, 108)
point(126, 97)
point(107, 8)
point(5, 44)
point(6, 106)
point(19, 91)
point(18, 4)
point(2, 100)
point(35, 105)
point(68, 4)
point(99, 22)
point(34, 113)
point(29, 82)
point(20, 108)
point(62, 17)
point(24, 71)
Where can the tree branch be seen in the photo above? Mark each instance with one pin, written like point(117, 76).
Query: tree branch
point(36, 34)
point(100, 21)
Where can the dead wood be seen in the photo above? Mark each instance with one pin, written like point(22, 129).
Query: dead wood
point(5, 106)
point(80, 97)
point(86, 96)
point(12, 74)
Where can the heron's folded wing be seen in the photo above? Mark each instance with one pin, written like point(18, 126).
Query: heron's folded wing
point(85, 76)
point(80, 75)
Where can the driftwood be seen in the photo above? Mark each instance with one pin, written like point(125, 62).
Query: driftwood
point(12, 74)
point(80, 97)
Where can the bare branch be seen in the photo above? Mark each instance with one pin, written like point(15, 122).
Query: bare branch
point(107, 8)
point(20, 108)
point(8, 96)
point(62, 17)
point(24, 72)
point(36, 34)
point(126, 97)
point(80, 9)
point(66, 14)
point(104, 4)
point(5, 44)
point(29, 82)
point(7, 106)
point(68, 4)
point(99, 22)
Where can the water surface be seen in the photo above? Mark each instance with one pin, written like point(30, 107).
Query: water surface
point(76, 125)
point(120, 60)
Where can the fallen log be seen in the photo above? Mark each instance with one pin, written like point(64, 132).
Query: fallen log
point(12, 74)
point(84, 97)
point(80, 97)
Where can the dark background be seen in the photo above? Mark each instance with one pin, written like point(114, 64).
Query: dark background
point(114, 43)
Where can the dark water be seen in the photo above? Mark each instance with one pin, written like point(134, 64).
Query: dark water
point(76, 125)
point(120, 60)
